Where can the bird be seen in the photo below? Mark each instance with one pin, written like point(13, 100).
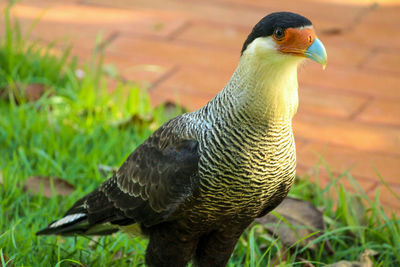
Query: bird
point(202, 178)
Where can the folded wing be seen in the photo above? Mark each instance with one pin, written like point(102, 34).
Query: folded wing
point(153, 185)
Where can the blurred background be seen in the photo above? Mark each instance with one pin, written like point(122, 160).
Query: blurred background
point(184, 51)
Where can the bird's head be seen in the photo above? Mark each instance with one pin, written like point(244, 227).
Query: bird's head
point(266, 77)
point(284, 37)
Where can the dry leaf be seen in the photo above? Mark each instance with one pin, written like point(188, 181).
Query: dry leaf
point(43, 184)
point(171, 109)
point(332, 31)
point(138, 120)
point(7, 260)
point(34, 91)
point(30, 92)
point(304, 219)
point(365, 260)
point(306, 263)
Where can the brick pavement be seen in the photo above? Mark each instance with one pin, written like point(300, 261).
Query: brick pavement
point(186, 50)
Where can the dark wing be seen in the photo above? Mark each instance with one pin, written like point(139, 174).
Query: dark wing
point(149, 187)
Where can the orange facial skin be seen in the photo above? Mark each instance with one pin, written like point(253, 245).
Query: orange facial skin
point(296, 41)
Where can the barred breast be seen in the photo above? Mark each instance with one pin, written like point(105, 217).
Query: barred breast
point(245, 168)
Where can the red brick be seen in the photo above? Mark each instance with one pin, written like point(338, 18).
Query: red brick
point(350, 79)
point(384, 61)
point(197, 81)
point(225, 36)
point(324, 15)
point(383, 15)
point(382, 111)
point(176, 53)
point(300, 144)
point(80, 20)
point(328, 102)
point(163, 94)
point(373, 35)
point(53, 31)
point(344, 54)
point(320, 13)
point(195, 10)
point(142, 70)
point(351, 134)
point(191, 87)
point(39, 3)
point(362, 165)
point(135, 70)
point(375, 27)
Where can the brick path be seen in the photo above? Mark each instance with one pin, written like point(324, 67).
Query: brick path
point(186, 50)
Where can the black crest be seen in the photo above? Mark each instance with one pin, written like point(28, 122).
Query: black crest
point(266, 26)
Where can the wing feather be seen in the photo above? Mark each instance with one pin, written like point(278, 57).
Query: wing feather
point(156, 179)
point(153, 185)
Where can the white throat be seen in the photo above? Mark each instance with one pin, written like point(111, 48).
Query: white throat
point(265, 81)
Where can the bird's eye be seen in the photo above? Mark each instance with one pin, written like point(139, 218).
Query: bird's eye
point(279, 33)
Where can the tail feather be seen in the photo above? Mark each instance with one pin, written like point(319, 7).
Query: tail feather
point(73, 224)
point(65, 224)
point(76, 221)
point(93, 214)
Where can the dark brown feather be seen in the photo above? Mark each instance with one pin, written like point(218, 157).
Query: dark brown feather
point(150, 186)
point(157, 177)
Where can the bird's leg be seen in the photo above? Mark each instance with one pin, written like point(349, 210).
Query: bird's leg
point(169, 247)
point(214, 249)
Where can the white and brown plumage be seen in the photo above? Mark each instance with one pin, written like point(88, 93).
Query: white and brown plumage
point(203, 177)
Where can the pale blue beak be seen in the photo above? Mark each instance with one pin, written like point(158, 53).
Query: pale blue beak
point(317, 52)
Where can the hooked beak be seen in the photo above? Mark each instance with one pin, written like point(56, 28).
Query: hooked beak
point(316, 51)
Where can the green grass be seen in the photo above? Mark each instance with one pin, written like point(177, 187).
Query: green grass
point(23, 63)
point(78, 125)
